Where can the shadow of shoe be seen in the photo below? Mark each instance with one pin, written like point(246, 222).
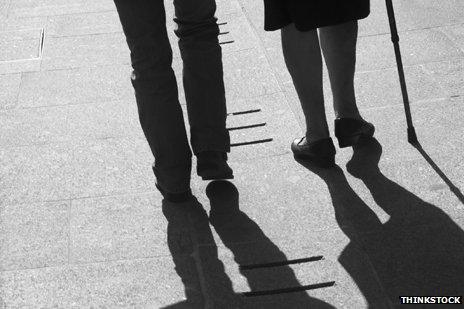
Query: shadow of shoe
point(269, 286)
point(365, 159)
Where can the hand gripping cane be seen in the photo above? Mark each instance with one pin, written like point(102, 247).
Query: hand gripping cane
point(412, 138)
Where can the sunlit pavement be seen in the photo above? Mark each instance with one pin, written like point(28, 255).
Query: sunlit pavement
point(82, 225)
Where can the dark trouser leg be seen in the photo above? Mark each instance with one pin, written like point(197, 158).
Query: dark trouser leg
point(202, 74)
point(144, 24)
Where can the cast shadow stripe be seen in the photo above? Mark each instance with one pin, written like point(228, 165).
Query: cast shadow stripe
point(290, 290)
point(245, 112)
point(282, 263)
point(247, 127)
point(252, 142)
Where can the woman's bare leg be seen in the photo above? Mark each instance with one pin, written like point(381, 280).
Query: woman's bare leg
point(339, 48)
point(303, 58)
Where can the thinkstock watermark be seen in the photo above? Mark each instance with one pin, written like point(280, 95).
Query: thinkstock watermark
point(431, 300)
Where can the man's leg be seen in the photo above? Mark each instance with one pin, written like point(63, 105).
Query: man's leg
point(160, 114)
point(198, 31)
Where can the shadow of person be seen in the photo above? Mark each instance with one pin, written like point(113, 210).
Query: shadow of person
point(184, 222)
point(419, 251)
point(272, 283)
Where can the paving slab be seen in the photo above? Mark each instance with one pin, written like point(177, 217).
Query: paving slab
point(55, 124)
point(19, 66)
point(425, 13)
point(20, 44)
point(448, 75)
point(24, 127)
point(117, 228)
point(27, 8)
point(74, 170)
point(83, 85)
point(11, 23)
point(382, 88)
point(148, 283)
point(35, 173)
point(34, 235)
point(4, 5)
point(417, 47)
point(103, 120)
point(10, 90)
point(435, 123)
point(83, 24)
point(451, 166)
point(455, 33)
point(85, 51)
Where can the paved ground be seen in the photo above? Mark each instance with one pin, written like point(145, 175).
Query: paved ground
point(83, 226)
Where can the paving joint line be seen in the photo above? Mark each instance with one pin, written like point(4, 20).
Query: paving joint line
point(411, 30)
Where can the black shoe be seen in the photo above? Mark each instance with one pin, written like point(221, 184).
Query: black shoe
point(212, 165)
point(178, 197)
point(350, 131)
point(321, 152)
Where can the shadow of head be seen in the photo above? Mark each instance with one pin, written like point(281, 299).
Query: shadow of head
point(223, 197)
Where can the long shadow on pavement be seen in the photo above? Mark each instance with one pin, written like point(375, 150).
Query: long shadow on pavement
point(183, 248)
point(419, 251)
point(195, 255)
point(272, 283)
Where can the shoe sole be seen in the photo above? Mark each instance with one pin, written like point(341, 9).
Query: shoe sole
point(213, 175)
point(325, 162)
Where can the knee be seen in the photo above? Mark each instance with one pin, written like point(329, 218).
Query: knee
point(153, 80)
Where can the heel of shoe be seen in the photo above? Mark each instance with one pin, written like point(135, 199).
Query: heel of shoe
point(348, 141)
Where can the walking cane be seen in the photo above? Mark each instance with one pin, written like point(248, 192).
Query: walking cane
point(412, 138)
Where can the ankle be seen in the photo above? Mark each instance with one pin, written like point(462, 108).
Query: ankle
point(313, 136)
point(352, 115)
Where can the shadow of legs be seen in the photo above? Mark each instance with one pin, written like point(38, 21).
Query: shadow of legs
point(185, 222)
point(251, 249)
point(353, 216)
point(420, 249)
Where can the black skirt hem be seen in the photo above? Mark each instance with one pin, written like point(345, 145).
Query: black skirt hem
point(308, 27)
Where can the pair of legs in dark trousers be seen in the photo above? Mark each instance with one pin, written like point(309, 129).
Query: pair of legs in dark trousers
point(144, 24)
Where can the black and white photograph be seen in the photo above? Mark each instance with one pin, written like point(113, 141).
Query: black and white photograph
point(177, 154)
